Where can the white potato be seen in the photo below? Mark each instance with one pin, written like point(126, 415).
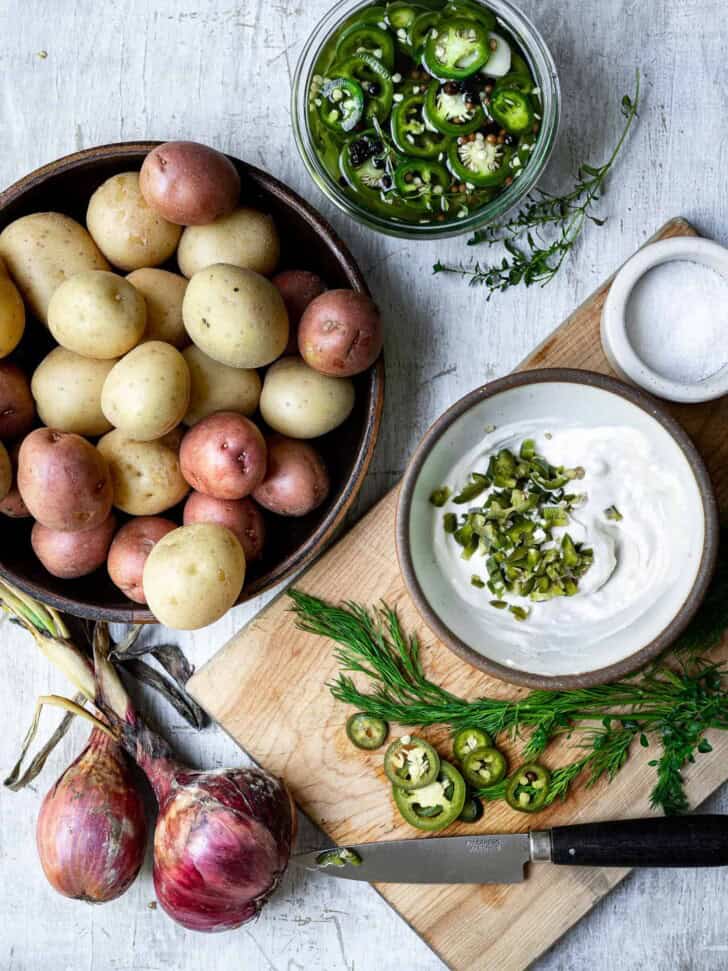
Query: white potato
point(147, 392)
point(235, 316)
point(97, 314)
point(303, 403)
point(194, 575)
point(67, 391)
point(246, 237)
point(163, 292)
point(44, 249)
point(126, 230)
point(12, 313)
point(6, 472)
point(145, 476)
point(217, 387)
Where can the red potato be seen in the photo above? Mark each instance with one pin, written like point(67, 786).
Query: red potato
point(298, 288)
point(12, 505)
point(296, 482)
point(129, 551)
point(340, 333)
point(224, 456)
point(64, 481)
point(241, 516)
point(188, 183)
point(17, 408)
point(69, 555)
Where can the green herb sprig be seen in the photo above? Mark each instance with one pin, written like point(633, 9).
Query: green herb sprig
point(672, 703)
point(532, 258)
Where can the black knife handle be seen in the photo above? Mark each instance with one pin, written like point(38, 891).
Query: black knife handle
point(672, 841)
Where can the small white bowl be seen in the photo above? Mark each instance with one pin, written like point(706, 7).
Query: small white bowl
point(615, 338)
point(564, 396)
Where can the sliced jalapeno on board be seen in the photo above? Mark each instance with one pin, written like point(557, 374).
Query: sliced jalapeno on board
point(528, 788)
point(411, 763)
point(472, 810)
point(456, 48)
point(469, 739)
point(484, 767)
point(453, 108)
point(366, 38)
point(421, 182)
point(480, 162)
point(410, 133)
point(342, 104)
point(436, 805)
point(375, 80)
point(512, 110)
point(338, 856)
point(365, 731)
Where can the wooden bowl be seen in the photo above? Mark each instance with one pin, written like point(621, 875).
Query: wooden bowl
point(308, 242)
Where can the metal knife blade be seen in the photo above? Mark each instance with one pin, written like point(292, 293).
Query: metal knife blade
point(454, 859)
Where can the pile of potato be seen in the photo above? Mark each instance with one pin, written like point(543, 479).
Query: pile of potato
point(153, 392)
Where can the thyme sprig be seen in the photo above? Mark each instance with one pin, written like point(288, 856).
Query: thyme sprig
point(672, 703)
point(534, 256)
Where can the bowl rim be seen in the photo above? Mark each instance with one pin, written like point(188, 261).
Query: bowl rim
point(686, 610)
point(316, 543)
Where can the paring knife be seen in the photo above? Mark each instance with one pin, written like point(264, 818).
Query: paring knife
point(681, 841)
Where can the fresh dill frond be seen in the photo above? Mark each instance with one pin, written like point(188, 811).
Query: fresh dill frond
point(545, 230)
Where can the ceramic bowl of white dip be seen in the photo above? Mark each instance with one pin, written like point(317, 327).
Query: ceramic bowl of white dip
point(651, 565)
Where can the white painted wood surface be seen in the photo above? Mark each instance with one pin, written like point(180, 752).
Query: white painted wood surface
point(75, 74)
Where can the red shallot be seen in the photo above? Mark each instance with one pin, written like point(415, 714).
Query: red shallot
point(222, 839)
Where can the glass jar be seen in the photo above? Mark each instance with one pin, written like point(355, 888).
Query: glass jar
point(543, 69)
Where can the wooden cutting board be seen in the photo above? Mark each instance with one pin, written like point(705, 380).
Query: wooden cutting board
point(267, 688)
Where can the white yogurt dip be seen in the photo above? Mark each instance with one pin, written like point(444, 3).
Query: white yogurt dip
point(635, 559)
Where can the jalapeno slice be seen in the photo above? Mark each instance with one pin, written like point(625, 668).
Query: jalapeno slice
point(453, 108)
point(479, 161)
point(472, 810)
point(467, 740)
point(515, 82)
point(421, 182)
point(471, 11)
point(528, 788)
point(436, 805)
point(366, 731)
point(366, 38)
point(456, 48)
point(484, 767)
point(342, 104)
point(362, 163)
point(512, 110)
point(410, 133)
point(411, 763)
point(420, 29)
point(373, 15)
point(375, 80)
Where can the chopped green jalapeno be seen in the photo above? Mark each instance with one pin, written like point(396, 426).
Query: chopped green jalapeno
point(472, 810)
point(421, 182)
point(477, 581)
point(436, 805)
point(450, 522)
point(365, 731)
point(480, 162)
point(512, 110)
point(375, 80)
point(528, 788)
point(484, 767)
point(467, 740)
point(410, 134)
point(478, 483)
point(456, 48)
point(411, 763)
point(342, 104)
point(366, 38)
point(440, 496)
point(611, 512)
point(453, 108)
point(340, 856)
